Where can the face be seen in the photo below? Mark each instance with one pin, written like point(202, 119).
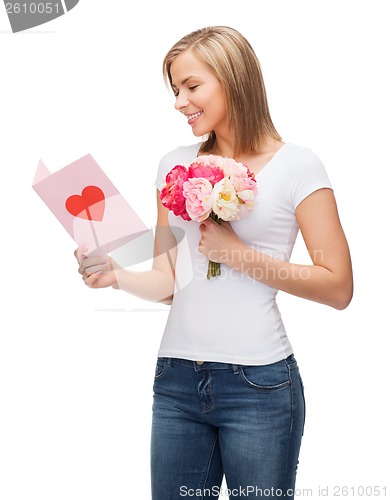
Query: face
point(199, 94)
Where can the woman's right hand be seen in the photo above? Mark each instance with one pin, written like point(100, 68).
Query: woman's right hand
point(97, 272)
point(156, 284)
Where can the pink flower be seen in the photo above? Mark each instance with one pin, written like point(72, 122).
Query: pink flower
point(172, 193)
point(246, 189)
point(197, 192)
point(232, 168)
point(213, 186)
point(211, 172)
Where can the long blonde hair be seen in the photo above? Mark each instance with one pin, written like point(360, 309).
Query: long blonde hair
point(233, 61)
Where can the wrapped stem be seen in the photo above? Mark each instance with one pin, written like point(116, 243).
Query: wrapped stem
point(214, 268)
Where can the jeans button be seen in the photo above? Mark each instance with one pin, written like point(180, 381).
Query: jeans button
point(199, 362)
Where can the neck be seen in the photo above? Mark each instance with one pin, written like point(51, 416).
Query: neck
point(224, 147)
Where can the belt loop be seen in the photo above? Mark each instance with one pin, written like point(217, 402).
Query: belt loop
point(168, 362)
point(235, 369)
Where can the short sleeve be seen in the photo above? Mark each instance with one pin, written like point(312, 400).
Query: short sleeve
point(308, 175)
point(162, 171)
point(182, 155)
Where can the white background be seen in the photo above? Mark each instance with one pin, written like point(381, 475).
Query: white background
point(76, 365)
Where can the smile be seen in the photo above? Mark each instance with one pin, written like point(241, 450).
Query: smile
point(194, 116)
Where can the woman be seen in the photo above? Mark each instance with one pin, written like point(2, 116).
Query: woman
point(228, 397)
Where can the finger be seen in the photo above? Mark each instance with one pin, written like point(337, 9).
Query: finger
point(91, 262)
point(96, 269)
point(91, 281)
point(205, 224)
point(79, 254)
point(93, 270)
point(224, 223)
point(201, 247)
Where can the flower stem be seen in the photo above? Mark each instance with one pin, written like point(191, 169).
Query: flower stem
point(214, 268)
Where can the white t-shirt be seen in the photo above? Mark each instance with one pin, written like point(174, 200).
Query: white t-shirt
point(233, 318)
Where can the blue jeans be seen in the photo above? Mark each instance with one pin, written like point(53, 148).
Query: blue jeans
point(215, 419)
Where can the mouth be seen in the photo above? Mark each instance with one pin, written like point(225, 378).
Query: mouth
point(192, 118)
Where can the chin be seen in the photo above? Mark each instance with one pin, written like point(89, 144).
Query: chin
point(200, 133)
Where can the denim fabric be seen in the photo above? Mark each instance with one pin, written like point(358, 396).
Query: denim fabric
point(215, 419)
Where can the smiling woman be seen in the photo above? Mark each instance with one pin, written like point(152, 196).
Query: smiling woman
point(228, 395)
point(224, 58)
point(200, 95)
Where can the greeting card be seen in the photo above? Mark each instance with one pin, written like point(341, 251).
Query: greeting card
point(89, 206)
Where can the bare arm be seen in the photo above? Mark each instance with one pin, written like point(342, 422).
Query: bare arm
point(156, 285)
point(328, 281)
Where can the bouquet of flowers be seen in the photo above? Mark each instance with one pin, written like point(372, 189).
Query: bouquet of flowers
point(212, 186)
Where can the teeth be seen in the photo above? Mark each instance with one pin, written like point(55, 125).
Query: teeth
point(191, 117)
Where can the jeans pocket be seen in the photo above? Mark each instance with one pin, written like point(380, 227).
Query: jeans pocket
point(161, 366)
point(266, 378)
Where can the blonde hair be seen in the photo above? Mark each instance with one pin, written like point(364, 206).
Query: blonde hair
point(233, 61)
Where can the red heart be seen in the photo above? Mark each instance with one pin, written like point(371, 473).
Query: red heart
point(90, 205)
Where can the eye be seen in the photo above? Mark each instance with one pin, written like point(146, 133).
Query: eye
point(193, 87)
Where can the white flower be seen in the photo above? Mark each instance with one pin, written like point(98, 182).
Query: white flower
point(224, 200)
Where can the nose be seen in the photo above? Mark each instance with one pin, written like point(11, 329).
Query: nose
point(181, 101)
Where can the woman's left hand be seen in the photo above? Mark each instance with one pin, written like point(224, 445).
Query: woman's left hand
point(218, 240)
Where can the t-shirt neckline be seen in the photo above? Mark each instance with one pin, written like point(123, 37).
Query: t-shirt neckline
point(266, 165)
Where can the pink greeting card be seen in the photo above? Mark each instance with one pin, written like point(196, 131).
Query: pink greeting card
point(88, 205)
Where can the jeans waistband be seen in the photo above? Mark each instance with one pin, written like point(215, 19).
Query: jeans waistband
point(214, 365)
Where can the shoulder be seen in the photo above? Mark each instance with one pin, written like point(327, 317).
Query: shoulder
point(300, 161)
point(182, 154)
point(300, 155)
point(303, 172)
